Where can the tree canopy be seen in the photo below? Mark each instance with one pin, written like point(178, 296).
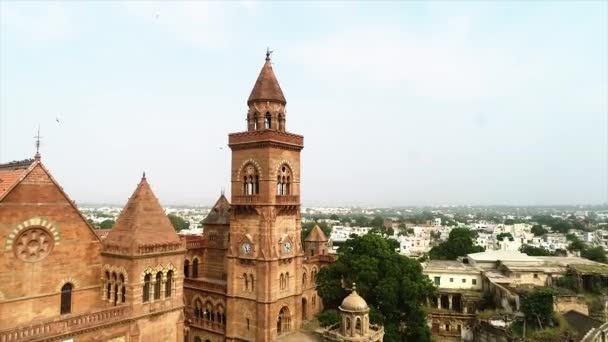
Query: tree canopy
point(502, 236)
point(535, 251)
point(459, 243)
point(538, 307)
point(595, 254)
point(393, 286)
point(178, 222)
point(106, 224)
point(538, 230)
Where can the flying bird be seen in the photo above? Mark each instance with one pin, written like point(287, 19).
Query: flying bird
point(57, 119)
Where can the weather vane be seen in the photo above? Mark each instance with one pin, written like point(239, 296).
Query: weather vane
point(268, 53)
point(38, 137)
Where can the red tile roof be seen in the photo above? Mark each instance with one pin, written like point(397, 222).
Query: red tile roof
point(267, 87)
point(11, 173)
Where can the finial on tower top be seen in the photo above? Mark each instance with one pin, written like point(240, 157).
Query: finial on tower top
point(268, 53)
point(38, 137)
point(222, 191)
point(354, 287)
point(143, 176)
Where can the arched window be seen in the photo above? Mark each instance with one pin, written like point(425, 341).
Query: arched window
point(281, 281)
point(146, 294)
point(251, 280)
point(159, 279)
point(287, 280)
point(280, 122)
point(186, 269)
point(124, 294)
point(66, 298)
point(284, 181)
point(358, 328)
point(313, 278)
point(198, 308)
point(255, 121)
point(283, 321)
point(304, 276)
point(108, 286)
point(251, 180)
point(197, 339)
point(246, 281)
point(169, 284)
point(195, 268)
point(267, 121)
point(208, 311)
point(115, 293)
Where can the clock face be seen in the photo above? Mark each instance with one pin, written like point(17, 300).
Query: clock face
point(246, 248)
point(287, 247)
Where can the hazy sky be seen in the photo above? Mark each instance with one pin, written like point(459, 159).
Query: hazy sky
point(411, 103)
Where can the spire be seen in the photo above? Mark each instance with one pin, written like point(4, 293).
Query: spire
point(142, 222)
point(267, 87)
point(38, 137)
point(316, 235)
point(220, 213)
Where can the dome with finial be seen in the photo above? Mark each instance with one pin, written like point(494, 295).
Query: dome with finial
point(354, 302)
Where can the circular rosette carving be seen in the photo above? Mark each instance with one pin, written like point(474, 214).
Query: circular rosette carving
point(33, 244)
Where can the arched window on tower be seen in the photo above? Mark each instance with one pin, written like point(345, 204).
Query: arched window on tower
point(186, 269)
point(284, 181)
point(304, 276)
point(195, 268)
point(246, 281)
point(169, 284)
point(256, 119)
point(157, 283)
point(66, 298)
point(251, 280)
point(146, 294)
point(198, 309)
point(267, 121)
point(108, 286)
point(280, 122)
point(251, 180)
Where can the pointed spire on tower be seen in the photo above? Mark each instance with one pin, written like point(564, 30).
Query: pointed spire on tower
point(38, 137)
point(267, 87)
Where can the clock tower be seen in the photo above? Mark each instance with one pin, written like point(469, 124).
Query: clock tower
point(265, 256)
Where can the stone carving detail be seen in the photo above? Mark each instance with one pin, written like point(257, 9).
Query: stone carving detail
point(33, 244)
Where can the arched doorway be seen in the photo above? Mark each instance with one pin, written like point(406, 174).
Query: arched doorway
point(304, 309)
point(283, 321)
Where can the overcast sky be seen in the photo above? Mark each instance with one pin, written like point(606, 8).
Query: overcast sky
point(411, 103)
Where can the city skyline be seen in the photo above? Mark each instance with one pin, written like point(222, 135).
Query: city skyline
point(426, 108)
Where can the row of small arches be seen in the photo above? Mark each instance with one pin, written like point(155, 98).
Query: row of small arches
point(313, 278)
point(251, 180)
point(194, 273)
point(209, 313)
point(115, 288)
point(268, 121)
point(157, 284)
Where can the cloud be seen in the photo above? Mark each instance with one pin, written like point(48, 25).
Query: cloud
point(36, 21)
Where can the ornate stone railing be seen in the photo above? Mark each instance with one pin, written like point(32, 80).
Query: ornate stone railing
point(204, 285)
point(63, 325)
point(202, 323)
point(252, 199)
point(268, 135)
point(290, 199)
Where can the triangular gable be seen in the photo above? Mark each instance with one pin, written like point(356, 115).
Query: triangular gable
point(37, 164)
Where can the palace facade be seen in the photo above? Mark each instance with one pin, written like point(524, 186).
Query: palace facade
point(248, 277)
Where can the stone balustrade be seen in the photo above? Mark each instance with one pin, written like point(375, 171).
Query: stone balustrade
point(63, 325)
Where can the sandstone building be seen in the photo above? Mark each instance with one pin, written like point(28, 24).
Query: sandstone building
point(248, 277)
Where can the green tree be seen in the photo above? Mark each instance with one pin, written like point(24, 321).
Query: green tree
point(334, 217)
point(459, 243)
point(106, 224)
point(535, 251)
point(576, 244)
point(537, 307)
point(509, 222)
point(561, 226)
point(178, 222)
point(361, 221)
point(328, 317)
point(538, 230)
point(502, 236)
point(595, 254)
point(377, 222)
point(393, 286)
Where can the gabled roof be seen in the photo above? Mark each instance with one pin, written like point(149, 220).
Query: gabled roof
point(316, 235)
point(267, 87)
point(142, 222)
point(12, 173)
point(220, 213)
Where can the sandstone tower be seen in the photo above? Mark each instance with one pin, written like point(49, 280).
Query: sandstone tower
point(265, 256)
